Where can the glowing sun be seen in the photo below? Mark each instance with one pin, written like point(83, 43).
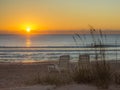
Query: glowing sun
point(28, 29)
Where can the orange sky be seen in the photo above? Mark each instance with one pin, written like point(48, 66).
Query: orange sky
point(64, 16)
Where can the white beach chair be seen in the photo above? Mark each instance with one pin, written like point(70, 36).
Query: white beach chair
point(53, 68)
point(64, 62)
point(62, 65)
point(84, 61)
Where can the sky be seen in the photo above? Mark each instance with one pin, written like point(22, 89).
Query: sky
point(58, 16)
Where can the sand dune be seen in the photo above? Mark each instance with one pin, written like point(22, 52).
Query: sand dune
point(13, 77)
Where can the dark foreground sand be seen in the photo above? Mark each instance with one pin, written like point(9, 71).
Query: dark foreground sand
point(14, 75)
point(68, 87)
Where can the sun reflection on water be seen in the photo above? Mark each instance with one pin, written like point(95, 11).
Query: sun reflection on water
point(28, 41)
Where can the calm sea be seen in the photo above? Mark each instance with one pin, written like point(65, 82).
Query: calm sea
point(37, 48)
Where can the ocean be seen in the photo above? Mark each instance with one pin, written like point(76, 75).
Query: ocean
point(38, 48)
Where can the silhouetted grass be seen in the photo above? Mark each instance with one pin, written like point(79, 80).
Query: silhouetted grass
point(83, 76)
point(102, 74)
point(99, 74)
point(116, 78)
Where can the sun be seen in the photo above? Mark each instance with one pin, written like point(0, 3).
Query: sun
point(28, 29)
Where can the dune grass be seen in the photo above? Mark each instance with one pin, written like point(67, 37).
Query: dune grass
point(52, 78)
point(98, 74)
point(116, 78)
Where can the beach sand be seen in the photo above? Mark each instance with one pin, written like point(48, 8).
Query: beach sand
point(14, 75)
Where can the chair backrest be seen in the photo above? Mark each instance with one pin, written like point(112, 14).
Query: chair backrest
point(85, 58)
point(84, 61)
point(64, 61)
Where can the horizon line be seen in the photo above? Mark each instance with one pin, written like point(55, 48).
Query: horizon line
point(63, 32)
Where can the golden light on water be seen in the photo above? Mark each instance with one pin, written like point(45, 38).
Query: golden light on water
point(28, 61)
point(28, 41)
